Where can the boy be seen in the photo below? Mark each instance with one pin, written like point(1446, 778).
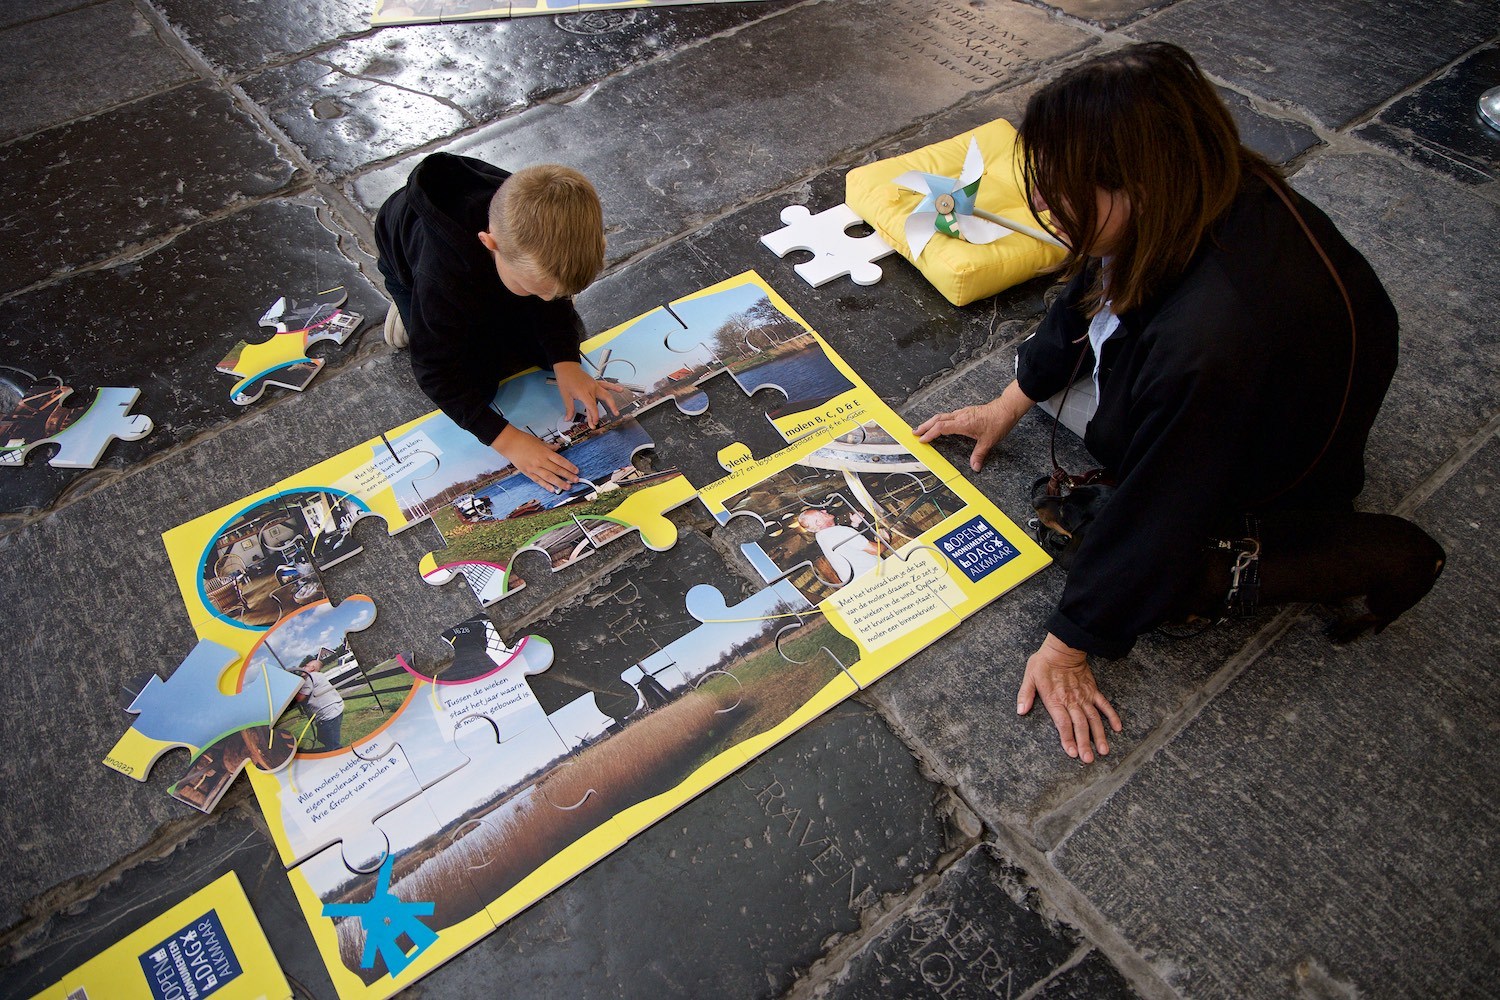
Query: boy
point(481, 265)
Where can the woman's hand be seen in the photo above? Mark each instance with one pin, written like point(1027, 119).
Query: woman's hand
point(1061, 675)
point(987, 425)
point(538, 462)
point(574, 384)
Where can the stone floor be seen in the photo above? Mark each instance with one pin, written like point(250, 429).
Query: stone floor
point(1280, 818)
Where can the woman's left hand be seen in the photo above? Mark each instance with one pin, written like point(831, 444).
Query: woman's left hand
point(1061, 675)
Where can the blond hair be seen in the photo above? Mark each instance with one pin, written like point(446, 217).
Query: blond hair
point(547, 220)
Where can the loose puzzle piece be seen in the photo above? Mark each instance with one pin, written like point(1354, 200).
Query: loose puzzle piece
point(205, 705)
point(81, 433)
point(283, 359)
point(835, 252)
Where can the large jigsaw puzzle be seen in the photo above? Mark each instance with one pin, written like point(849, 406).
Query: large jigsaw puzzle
point(445, 802)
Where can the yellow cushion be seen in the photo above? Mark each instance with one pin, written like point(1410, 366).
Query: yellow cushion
point(963, 272)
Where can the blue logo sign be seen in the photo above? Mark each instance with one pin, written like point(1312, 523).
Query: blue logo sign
point(977, 548)
point(195, 962)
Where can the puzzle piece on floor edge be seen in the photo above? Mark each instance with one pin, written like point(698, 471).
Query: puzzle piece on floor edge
point(81, 434)
point(835, 253)
point(283, 359)
point(205, 706)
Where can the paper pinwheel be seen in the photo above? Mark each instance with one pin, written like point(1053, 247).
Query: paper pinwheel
point(948, 207)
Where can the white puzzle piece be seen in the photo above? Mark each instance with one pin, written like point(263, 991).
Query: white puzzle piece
point(835, 253)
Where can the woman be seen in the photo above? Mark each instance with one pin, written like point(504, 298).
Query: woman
point(1230, 380)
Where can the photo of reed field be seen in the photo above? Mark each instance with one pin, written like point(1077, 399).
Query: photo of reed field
point(484, 833)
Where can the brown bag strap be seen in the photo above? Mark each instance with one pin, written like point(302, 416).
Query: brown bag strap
point(1275, 185)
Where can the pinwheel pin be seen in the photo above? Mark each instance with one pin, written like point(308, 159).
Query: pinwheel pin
point(948, 207)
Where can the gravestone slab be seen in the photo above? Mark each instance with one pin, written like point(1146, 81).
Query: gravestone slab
point(1439, 126)
point(976, 933)
point(1333, 808)
point(383, 94)
point(105, 185)
point(40, 84)
point(715, 116)
point(1336, 58)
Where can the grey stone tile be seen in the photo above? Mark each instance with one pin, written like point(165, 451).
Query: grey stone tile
point(162, 322)
point(1439, 125)
point(370, 98)
point(976, 933)
point(238, 37)
point(1336, 58)
point(697, 140)
point(1423, 236)
point(95, 188)
point(1277, 139)
point(1333, 808)
point(1094, 978)
point(736, 891)
point(92, 603)
point(231, 842)
point(40, 82)
point(16, 13)
point(1105, 13)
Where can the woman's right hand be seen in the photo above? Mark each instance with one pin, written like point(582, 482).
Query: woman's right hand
point(532, 457)
point(987, 425)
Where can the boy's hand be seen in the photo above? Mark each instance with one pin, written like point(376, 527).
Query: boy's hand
point(535, 459)
point(573, 383)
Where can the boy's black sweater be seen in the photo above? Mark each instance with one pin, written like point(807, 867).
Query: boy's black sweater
point(467, 330)
point(1215, 397)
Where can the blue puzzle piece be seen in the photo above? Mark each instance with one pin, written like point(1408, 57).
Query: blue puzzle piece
point(190, 710)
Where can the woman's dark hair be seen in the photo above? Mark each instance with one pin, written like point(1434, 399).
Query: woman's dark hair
point(1145, 122)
